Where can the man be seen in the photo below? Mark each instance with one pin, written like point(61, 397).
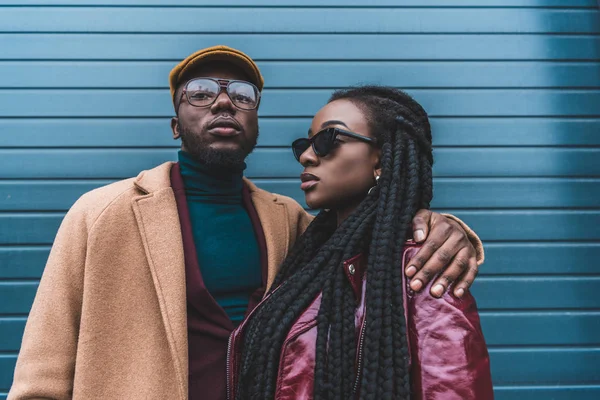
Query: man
point(148, 276)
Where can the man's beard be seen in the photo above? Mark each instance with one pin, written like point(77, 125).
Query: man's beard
point(199, 148)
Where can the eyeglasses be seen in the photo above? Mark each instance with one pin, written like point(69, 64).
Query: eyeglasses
point(323, 141)
point(203, 92)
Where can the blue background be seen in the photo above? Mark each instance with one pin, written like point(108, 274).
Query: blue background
point(512, 87)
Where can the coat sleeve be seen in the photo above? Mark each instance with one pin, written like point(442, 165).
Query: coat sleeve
point(473, 238)
point(46, 363)
point(299, 219)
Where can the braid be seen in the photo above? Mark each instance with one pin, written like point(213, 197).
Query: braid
point(378, 227)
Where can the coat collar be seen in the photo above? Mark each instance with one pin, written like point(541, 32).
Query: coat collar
point(274, 218)
point(157, 219)
point(271, 210)
point(155, 179)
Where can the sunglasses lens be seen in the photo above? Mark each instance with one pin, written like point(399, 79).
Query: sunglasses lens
point(323, 142)
point(202, 92)
point(299, 146)
point(243, 95)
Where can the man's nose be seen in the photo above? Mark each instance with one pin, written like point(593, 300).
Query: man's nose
point(223, 102)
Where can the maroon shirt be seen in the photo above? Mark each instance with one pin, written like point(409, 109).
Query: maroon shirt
point(209, 326)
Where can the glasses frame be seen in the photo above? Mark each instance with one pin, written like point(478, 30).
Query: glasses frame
point(336, 132)
point(224, 87)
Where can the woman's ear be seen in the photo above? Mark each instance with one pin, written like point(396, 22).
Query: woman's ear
point(377, 167)
point(175, 128)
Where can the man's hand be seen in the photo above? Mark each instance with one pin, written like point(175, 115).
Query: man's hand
point(446, 248)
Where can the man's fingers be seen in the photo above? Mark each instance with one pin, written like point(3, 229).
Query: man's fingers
point(466, 280)
point(421, 225)
point(437, 252)
point(458, 267)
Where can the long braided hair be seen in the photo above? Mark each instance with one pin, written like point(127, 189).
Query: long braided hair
point(379, 226)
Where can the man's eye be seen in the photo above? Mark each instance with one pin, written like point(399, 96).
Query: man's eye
point(201, 95)
point(243, 99)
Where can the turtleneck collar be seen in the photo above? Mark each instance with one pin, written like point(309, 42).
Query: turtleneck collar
point(210, 184)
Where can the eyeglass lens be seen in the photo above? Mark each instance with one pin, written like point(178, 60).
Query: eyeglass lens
point(204, 92)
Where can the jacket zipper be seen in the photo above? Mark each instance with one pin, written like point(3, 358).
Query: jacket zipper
point(360, 354)
point(410, 243)
point(240, 329)
point(229, 366)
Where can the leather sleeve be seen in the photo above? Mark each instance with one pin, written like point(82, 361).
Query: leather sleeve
point(448, 354)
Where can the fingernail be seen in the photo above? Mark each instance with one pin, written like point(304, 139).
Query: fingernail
point(460, 292)
point(438, 290)
point(416, 285)
point(419, 235)
point(410, 271)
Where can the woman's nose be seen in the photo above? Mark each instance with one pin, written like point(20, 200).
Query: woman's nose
point(309, 157)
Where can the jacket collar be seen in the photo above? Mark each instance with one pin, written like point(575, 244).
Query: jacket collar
point(354, 269)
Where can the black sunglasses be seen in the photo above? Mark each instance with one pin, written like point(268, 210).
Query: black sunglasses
point(323, 141)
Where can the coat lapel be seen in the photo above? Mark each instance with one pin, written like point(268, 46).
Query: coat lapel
point(158, 223)
point(274, 219)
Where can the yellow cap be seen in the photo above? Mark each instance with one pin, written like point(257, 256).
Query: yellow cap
point(216, 53)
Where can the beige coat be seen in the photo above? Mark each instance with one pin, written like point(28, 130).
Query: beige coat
point(109, 318)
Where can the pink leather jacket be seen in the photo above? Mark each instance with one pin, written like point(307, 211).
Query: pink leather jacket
point(448, 355)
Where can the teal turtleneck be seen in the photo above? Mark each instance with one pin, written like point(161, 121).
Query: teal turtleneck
point(228, 253)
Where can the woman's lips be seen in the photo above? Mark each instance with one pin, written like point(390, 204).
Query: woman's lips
point(308, 181)
point(308, 184)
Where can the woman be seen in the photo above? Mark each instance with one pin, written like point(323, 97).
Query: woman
point(335, 327)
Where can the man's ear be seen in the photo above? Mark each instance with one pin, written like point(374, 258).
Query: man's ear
point(175, 128)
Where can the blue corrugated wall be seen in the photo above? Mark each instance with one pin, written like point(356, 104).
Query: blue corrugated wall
point(513, 89)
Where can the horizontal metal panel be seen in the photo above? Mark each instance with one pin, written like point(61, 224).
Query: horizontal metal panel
point(298, 20)
point(40, 228)
point(533, 224)
point(534, 293)
point(11, 332)
point(541, 258)
point(314, 3)
point(301, 47)
point(554, 391)
point(300, 103)
point(476, 193)
point(531, 328)
point(25, 262)
point(311, 74)
point(561, 366)
point(156, 132)
point(279, 163)
point(500, 329)
point(507, 259)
